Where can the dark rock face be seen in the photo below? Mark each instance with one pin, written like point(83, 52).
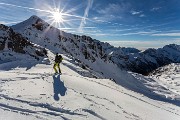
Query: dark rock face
point(18, 42)
point(3, 36)
point(2, 44)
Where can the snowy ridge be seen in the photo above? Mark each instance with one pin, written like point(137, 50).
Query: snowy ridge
point(89, 50)
point(168, 76)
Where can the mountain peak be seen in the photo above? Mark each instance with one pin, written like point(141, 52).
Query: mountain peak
point(33, 20)
point(34, 17)
point(173, 46)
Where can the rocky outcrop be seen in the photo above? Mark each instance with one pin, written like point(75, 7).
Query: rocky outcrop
point(12, 41)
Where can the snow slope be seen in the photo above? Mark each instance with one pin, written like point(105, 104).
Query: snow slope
point(168, 76)
point(35, 94)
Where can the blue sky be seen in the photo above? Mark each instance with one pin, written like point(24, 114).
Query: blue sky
point(129, 23)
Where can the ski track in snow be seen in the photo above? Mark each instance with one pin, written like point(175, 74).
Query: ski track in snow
point(55, 111)
point(125, 94)
point(42, 106)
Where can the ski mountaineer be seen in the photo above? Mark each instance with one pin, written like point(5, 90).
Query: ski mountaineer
point(58, 60)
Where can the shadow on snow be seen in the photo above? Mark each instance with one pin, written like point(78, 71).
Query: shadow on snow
point(59, 87)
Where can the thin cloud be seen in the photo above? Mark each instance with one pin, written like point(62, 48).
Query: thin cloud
point(136, 12)
point(70, 28)
point(139, 13)
point(111, 8)
point(155, 9)
point(18, 6)
point(142, 15)
point(167, 34)
point(90, 27)
point(86, 13)
point(137, 33)
point(112, 11)
point(106, 19)
point(154, 26)
point(114, 8)
point(9, 23)
point(123, 30)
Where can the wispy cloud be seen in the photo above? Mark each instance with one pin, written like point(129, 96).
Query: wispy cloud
point(155, 9)
point(138, 33)
point(112, 11)
point(70, 28)
point(136, 12)
point(111, 8)
point(168, 34)
point(18, 6)
point(142, 15)
point(86, 13)
point(9, 23)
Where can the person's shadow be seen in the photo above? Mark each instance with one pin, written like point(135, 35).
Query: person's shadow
point(59, 87)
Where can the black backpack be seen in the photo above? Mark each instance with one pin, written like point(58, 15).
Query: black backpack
point(58, 59)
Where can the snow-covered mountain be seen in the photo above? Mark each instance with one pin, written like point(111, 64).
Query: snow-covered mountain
point(168, 76)
point(89, 50)
point(13, 45)
point(94, 83)
point(148, 60)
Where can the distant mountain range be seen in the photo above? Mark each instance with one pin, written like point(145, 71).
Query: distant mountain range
point(33, 36)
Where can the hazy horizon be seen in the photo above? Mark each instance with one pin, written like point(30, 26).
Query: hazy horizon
point(141, 45)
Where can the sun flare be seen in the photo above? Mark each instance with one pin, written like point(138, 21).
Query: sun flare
point(57, 16)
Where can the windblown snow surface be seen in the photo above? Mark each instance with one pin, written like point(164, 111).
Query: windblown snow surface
point(30, 91)
point(168, 76)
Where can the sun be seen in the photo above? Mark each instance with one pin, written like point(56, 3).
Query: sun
point(57, 16)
